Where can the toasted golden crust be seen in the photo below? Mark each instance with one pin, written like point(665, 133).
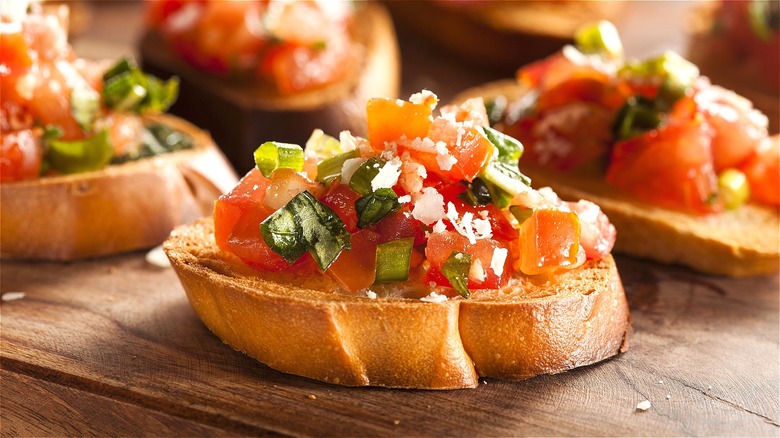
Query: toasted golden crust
point(742, 242)
point(239, 114)
point(305, 326)
point(120, 208)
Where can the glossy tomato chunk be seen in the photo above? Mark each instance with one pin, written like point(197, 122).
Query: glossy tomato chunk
point(245, 197)
point(549, 240)
point(20, 155)
point(441, 245)
point(246, 242)
point(763, 172)
point(390, 119)
point(355, 269)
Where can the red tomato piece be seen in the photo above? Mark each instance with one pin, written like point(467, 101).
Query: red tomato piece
point(14, 56)
point(763, 172)
point(390, 119)
point(669, 167)
point(549, 240)
point(246, 242)
point(587, 86)
point(355, 269)
point(399, 225)
point(246, 196)
point(20, 155)
point(342, 199)
point(441, 245)
point(501, 228)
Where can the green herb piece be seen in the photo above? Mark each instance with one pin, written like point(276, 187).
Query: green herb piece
point(127, 88)
point(393, 260)
point(330, 168)
point(520, 213)
point(273, 155)
point(477, 193)
point(676, 74)
point(509, 149)
point(157, 139)
point(637, 116)
point(84, 106)
point(374, 206)
point(305, 224)
point(734, 188)
point(599, 38)
point(456, 270)
point(80, 155)
point(361, 179)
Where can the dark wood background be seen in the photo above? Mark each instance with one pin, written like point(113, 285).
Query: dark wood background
point(112, 347)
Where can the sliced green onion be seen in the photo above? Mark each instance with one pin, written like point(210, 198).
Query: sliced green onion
point(504, 181)
point(509, 149)
point(305, 224)
point(393, 260)
point(456, 270)
point(330, 168)
point(81, 155)
point(84, 106)
point(361, 179)
point(636, 116)
point(273, 155)
point(127, 88)
point(520, 213)
point(374, 206)
point(478, 193)
point(734, 188)
point(599, 38)
point(323, 145)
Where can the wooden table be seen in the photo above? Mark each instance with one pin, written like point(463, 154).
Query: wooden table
point(112, 347)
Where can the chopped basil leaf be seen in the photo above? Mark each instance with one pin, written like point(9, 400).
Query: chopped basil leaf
point(637, 116)
point(477, 193)
point(509, 149)
point(305, 224)
point(127, 88)
point(374, 206)
point(456, 270)
point(273, 155)
point(84, 106)
point(393, 260)
point(361, 179)
point(157, 139)
point(80, 155)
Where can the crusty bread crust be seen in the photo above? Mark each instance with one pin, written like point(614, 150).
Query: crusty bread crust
point(305, 326)
point(240, 113)
point(742, 242)
point(119, 208)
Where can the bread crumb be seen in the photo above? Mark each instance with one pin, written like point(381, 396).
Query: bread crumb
point(157, 257)
point(709, 386)
point(13, 296)
point(668, 396)
point(312, 397)
point(434, 298)
point(660, 381)
point(643, 405)
point(396, 422)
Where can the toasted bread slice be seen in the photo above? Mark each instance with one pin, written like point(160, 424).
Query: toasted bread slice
point(306, 326)
point(238, 113)
point(119, 208)
point(742, 242)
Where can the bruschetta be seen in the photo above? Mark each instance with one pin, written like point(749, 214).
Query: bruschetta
point(90, 165)
point(685, 169)
point(254, 69)
point(417, 258)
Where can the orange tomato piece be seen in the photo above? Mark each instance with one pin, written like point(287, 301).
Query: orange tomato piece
point(355, 269)
point(246, 196)
point(14, 56)
point(763, 172)
point(549, 240)
point(390, 119)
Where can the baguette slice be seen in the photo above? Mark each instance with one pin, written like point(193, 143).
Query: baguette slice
point(741, 242)
point(238, 113)
point(305, 326)
point(119, 208)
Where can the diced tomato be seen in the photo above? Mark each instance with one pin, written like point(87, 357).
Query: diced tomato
point(159, 11)
point(14, 56)
point(597, 234)
point(549, 240)
point(587, 86)
point(669, 167)
point(469, 148)
point(441, 245)
point(297, 67)
point(500, 226)
point(763, 172)
point(398, 225)
point(246, 196)
point(20, 155)
point(284, 185)
point(472, 109)
point(246, 242)
point(355, 269)
point(341, 199)
point(390, 119)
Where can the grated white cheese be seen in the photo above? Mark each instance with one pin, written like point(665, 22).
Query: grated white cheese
point(349, 168)
point(405, 199)
point(387, 176)
point(644, 405)
point(482, 229)
point(429, 207)
point(12, 296)
point(434, 298)
point(371, 294)
point(498, 260)
point(439, 227)
point(467, 226)
point(425, 97)
point(444, 159)
point(477, 272)
point(156, 257)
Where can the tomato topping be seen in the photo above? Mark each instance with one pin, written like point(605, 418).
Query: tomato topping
point(398, 225)
point(14, 56)
point(390, 119)
point(441, 245)
point(763, 172)
point(246, 242)
point(669, 167)
point(597, 234)
point(342, 199)
point(502, 229)
point(20, 155)
point(246, 196)
point(549, 240)
point(356, 269)
point(588, 86)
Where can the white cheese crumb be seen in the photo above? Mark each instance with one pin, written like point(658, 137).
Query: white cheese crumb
point(425, 97)
point(371, 294)
point(668, 396)
point(12, 296)
point(439, 227)
point(347, 140)
point(434, 298)
point(660, 381)
point(482, 229)
point(405, 199)
point(387, 176)
point(349, 168)
point(465, 225)
point(157, 257)
point(644, 405)
point(477, 272)
point(497, 262)
point(429, 207)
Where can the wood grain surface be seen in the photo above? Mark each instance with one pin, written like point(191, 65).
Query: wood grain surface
point(112, 347)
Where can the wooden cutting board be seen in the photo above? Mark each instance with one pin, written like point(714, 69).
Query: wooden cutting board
point(112, 347)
